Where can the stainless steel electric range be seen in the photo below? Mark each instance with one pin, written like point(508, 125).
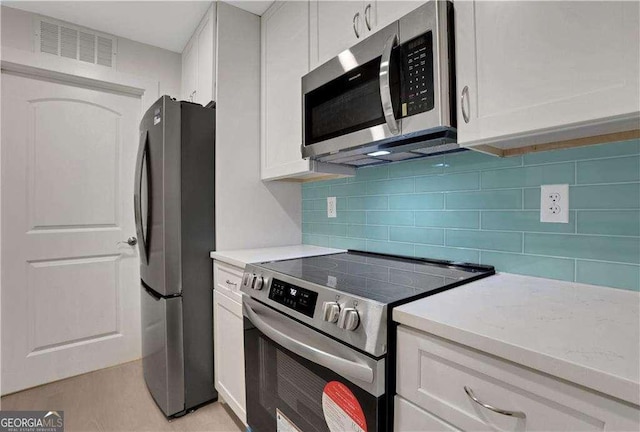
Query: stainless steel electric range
point(319, 339)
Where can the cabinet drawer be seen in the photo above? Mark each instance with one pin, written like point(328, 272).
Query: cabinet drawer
point(433, 373)
point(228, 277)
point(410, 418)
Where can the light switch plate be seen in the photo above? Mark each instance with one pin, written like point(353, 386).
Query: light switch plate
point(554, 203)
point(332, 212)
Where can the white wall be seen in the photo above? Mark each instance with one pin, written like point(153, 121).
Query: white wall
point(249, 213)
point(133, 58)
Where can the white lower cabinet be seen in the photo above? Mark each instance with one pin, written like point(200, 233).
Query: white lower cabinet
point(411, 418)
point(229, 338)
point(437, 379)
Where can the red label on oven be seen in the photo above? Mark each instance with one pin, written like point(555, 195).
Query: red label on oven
point(342, 411)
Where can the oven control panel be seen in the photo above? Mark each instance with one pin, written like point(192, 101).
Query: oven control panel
point(417, 92)
point(296, 298)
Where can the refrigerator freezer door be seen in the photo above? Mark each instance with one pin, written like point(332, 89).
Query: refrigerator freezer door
point(162, 350)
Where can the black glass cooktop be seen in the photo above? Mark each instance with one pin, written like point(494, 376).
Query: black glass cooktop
point(383, 278)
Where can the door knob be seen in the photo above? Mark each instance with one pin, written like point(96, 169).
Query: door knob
point(131, 241)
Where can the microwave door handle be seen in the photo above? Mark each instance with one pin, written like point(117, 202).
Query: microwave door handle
point(385, 86)
point(330, 361)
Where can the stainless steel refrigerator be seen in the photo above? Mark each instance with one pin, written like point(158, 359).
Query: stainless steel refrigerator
point(174, 213)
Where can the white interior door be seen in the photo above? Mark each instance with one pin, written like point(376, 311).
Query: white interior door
point(70, 292)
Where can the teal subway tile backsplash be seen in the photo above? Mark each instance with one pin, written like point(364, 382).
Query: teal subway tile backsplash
point(417, 235)
point(452, 182)
point(607, 197)
point(603, 248)
point(368, 203)
point(472, 207)
point(531, 265)
point(529, 176)
point(388, 187)
point(524, 220)
point(421, 167)
point(582, 153)
point(490, 240)
point(610, 222)
point(609, 274)
point(448, 219)
point(426, 201)
point(474, 161)
point(616, 170)
point(398, 218)
point(448, 253)
point(494, 199)
point(373, 232)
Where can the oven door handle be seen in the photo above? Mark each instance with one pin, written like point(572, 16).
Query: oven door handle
point(385, 86)
point(337, 364)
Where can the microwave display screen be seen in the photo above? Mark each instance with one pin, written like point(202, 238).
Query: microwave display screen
point(294, 297)
point(417, 75)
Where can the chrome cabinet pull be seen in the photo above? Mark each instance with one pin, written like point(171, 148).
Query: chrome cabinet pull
point(231, 283)
point(356, 17)
point(473, 397)
point(464, 100)
point(367, 16)
point(385, 86)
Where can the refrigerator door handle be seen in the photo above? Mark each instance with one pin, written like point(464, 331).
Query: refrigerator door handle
point(137, 195)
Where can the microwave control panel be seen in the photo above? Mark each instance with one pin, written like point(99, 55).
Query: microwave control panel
point(296, 298)
point(417, 92)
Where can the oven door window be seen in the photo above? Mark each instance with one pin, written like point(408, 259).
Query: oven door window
point(281, 382)
point(349, 103)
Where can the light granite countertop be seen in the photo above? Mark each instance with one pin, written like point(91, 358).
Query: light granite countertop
point(241, 257)
point(585, 334)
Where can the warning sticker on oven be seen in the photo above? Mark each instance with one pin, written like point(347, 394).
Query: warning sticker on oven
point(283, 424)
point(342, 411)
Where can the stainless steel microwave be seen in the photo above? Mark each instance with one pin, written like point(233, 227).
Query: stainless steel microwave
point(388, 98)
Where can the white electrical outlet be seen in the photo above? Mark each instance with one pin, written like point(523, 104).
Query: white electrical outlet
point(332, 211)
point(554, 203)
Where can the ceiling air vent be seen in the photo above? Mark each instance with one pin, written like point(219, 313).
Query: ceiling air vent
point(72, 42)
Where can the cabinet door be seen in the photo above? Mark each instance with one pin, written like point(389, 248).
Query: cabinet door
point(206, 72)
point(190, 69)
point(229, 352)
point(381, 13)
point(333, 28)
point(533, 67)
point(285, 59)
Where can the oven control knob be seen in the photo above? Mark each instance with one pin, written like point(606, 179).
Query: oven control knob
point(247, 279)
point(330, 311)
point(258, 283)
point(349, 319)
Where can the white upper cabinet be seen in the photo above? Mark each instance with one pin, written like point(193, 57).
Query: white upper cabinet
point(532, 73)
point(335, 26)
point(285, 59)
point(338, 25)
point(198, 61)
point(384, 12)
point(189, 70)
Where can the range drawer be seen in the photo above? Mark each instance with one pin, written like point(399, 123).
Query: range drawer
point(433, 374)
point(228, 277)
